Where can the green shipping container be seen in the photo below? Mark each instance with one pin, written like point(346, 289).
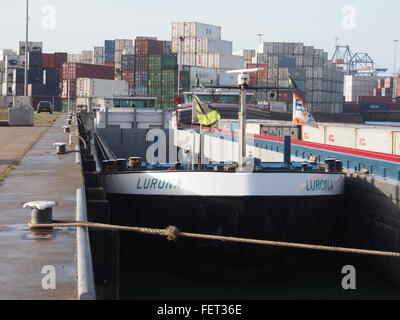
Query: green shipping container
point(154, 62)
point(169, 62)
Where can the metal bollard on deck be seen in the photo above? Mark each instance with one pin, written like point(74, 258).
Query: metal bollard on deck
point(41, 212)
point(61, 147)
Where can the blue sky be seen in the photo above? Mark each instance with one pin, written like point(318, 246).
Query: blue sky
point(80, 25)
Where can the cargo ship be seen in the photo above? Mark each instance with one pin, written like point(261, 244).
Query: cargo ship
point(289, 201)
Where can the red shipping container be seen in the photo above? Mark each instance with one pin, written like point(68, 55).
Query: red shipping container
point(148, 46)
point(59, 59)
point(372, 99)
point(129, 76)
point(254, 76)
point(48, 60)
point(351, 107)
point(82, 70)
point(381, 83)
point(285, 96)
point(394, 106)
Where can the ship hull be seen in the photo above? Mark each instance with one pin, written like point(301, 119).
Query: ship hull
point(261, 206)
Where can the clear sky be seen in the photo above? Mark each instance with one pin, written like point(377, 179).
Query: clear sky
point(74, 25)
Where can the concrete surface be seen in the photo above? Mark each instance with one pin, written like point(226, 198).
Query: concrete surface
point(41, 175)
point(15, 141)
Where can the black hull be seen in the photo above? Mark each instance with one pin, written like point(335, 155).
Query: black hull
point(314, 220)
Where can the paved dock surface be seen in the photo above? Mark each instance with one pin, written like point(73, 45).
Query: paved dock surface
point(15, 142)
point(40, 175)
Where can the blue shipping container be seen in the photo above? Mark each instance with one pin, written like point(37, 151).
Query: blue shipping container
point(50, 76)
point(140, 91)
point(19, 75)
point(35, 75)
point(374, 106)
point(37, 90)
point(109, 44)
point(51, 90)
point(35, 59)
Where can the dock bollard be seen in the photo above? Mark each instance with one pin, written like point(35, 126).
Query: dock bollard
point(330, 164)
point(121, 165)
point(41, 212)
point(61, 147)
point(135, 163)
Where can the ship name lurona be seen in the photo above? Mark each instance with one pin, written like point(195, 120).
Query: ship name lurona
point(319, 185)
point(157, 184)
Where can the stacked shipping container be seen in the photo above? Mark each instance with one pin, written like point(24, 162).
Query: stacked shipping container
point(311, 70)
point(155, 71)
point(202, 46)
point(73, 71)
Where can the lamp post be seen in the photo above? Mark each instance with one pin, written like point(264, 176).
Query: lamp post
point(395, 56)
point(26, 50)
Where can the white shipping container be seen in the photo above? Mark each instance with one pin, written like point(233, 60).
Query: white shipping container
point(227, 79)
point(129, 50)
point(6, 52)
point(340, 136)
point(121, 44)
point(77, 58)
point(375, 139)
point(206, 76)
point(200, 30)
point(98, 52)
point(33, 46)
point(206, 45)
point(12, 62)
point(224, 61)
point(7, 88)
point(87, 56)
point(98, 61)
point(247, 54)
point(100, 88)
point(178, 30)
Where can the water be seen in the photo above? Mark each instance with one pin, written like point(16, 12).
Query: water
point(167, 274)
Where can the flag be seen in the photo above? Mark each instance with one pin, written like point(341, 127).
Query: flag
point(301, 115)
point(292, 84)
point(204, 114)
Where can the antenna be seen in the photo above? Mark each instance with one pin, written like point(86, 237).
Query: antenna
point(260, 35)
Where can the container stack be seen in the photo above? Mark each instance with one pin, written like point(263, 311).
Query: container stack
point(355, 86)
point(73, 71)
point(155, 71)
point(128, 68)
point(120, 46)
point(247, 55)
point(109, 53)
point(385, 88)
point(202, 47)
point(98, 56)
point(12, 68)
point(87, 57)
point(74, 58)
point(313, 73)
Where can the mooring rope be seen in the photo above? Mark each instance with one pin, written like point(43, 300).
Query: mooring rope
point(173, 234)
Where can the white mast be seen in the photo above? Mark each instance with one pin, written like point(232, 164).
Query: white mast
point(243, 81)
